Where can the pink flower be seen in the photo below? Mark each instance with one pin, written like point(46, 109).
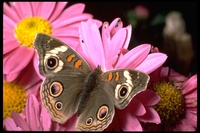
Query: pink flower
point(17, 89)
point(36, 118)
point(28, 78)
point(184, 116)
point(110, 52)
point(141, 12)
point(23, 20)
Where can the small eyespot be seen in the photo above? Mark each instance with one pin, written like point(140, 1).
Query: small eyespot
point(47, 46)
point(135, 82)
point(56, 89)
point(89, 121)
point(102, 112)
point(52, 62)
point(58, 105)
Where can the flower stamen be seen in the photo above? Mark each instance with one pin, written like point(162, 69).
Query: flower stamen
point(14, 98)
point(26, 30)
point(171, 105)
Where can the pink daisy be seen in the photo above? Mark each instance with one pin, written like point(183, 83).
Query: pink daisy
point(110, 52)
point(180, 112)
point(36, 118)
point(16, 91)
point(23, 20)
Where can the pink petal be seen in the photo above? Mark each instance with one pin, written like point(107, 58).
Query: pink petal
point(192, 102)
point(152, 62)
point(150, 116)
point(135, 107)
point(45, 120)
point(24, 9)
point(66, 31)
point(72, 13)
point(164, 72)
point(190, 85)
point(34, 90)
point(148, 97)
point(28, 76)
point(19, 121)
point(134, 57)
point(9, 44)
point(35, 64)
point(10, 13)
point(191, 94)
point(115, 25)
point(184, 126)
point(45, 9)
point(58, 23)
point(192, 118)
point(9, 125)
point(129, 123)
point(34, 7)
point(95, 52)
point(105, 35)
point(116, 43)
point(32, 113)
point(128, 36)
point(73, 10)
point(8, 23)
point(16, 62)
point(72, 42)
point(177, 78)
point(11, 77)
point(58, 10)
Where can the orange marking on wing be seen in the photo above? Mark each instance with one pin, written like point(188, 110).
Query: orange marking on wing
point(69, 58)
point(110, 76)
point(78, 63)
point(117, 76)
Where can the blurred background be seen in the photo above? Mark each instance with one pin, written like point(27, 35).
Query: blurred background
point(169, 26)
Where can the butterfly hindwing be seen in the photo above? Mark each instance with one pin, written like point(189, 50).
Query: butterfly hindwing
point(124, 84)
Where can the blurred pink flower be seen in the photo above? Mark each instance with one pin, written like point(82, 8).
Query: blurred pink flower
point(141, 12)
point(23, 20)
point(110, 52)
point(188, 88)
point(36, 118)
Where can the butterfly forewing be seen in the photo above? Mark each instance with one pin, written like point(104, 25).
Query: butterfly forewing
point(55, 56)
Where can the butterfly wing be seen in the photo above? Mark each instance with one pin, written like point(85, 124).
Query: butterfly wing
point(55, 56)
point(65, 72)
point(124, 84)
point(98, 112)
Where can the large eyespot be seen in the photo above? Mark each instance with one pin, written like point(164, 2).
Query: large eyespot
point(123, 91)
point(89, 121)
point(58, 105)
point(56, 89)
point(102, 112)
point(52, 62)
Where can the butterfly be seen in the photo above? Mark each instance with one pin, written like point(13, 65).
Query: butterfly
point(71, 87)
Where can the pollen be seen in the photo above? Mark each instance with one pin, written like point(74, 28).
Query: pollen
point(14, 98)
point(26, 30)
point(171, 106)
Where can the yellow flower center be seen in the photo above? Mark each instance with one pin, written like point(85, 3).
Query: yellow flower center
point(27, 29)
point(14, 98)
point(171, 105)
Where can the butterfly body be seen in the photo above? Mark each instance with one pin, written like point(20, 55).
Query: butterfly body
point(70, 86)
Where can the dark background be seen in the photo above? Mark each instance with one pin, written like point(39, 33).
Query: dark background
point(108, 11)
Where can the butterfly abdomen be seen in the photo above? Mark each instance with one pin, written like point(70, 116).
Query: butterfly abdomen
point(90, 83)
